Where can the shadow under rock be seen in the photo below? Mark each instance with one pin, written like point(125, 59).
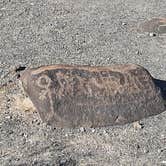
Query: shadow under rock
point(162, 85)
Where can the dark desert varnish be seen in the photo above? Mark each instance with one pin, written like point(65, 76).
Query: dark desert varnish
point(74, 96)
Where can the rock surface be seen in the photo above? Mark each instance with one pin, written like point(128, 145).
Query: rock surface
point(35, 33)
point(92, 96)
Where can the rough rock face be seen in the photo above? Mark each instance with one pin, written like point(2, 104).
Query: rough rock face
point(156, 25)
point(74, 96)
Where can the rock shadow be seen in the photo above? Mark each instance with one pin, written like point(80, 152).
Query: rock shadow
point(162, 85)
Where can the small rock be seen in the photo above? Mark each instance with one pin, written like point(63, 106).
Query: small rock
point(11, 132)
point(35, 162)
point(163, 136)
point(82, 129)
point(38, 123)
point(124, 23)
point(138, 125)
point(66, 162)
point(17, 159)
point(93, 130)
point(105, 132)
point(24, 135)
point(6, 112)
point(151, 34)
point(146, 151)
point(9, 117)
point(138, 146)
point(138, 52)
point(66, 135)
point(8, 100)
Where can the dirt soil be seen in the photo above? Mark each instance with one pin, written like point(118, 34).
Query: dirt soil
point(89, 32)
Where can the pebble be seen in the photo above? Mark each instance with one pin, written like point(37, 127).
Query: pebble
point(146, 151)
point(6, 112)
point(138, 52)
point(8, 117)
point(82, 129)
point(66, 135)
point(38, 123)
point(124, 23)
point(152, 34)
point(163, 136)
point(105, 132)
point(138, 125)
point(11, 132)
point(93, 130)
point(24, 135)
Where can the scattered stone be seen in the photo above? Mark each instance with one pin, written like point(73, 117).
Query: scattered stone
point(138, 146)
point(38, 123)
point(138, 52)
point(66, 135)
point(105, 132)
point(138, 125)
point(146, 151)
point(124, 23)
point(6, 112)
point(24, 135)
point(65, 162)
point(11, 132)
point(151, 34)
point(8, 100)
point(93, 130)
point(82, 129)
point(9, 117)
point(163, 136)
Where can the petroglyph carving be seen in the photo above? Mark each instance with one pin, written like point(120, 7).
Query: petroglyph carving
point(72, 96)
point(43, 82)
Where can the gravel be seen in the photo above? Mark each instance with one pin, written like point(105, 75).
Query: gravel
point(35, 33)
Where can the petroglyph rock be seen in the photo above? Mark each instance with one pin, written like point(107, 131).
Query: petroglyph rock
point(156, 25)
point(84, 96)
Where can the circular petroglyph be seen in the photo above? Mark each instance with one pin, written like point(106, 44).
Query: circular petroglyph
point(44, 81)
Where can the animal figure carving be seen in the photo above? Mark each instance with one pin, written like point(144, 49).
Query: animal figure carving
point(74, 96)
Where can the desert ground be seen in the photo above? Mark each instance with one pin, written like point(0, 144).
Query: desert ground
point(86, 32)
